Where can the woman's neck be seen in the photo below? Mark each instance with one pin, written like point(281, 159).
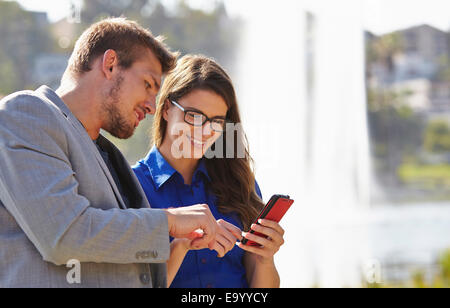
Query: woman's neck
point(185, 166)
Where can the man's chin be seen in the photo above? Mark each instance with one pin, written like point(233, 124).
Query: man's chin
point(122, 134)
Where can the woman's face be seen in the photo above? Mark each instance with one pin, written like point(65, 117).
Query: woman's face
point(188, 141)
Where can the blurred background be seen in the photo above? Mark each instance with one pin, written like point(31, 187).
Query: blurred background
point(346, 105)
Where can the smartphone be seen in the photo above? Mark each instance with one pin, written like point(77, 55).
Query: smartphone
point(274, 210)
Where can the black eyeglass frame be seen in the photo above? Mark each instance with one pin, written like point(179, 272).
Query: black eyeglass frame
point(205, 117)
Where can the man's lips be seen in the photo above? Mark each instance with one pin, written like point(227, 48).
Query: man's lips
point(140, 115)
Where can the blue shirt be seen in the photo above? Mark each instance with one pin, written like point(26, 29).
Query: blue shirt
point(164, 187)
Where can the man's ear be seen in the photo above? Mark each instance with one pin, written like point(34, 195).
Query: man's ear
point(110, 62)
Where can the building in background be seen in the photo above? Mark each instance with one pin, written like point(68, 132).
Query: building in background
point(49, 68)
point(414, 60)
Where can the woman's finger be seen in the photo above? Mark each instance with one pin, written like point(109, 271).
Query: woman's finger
point(227, 234)
point(260, 240)
point(272, 224)
point(263, 252)
point(225, 242)
point(273, 234)
point(235, 231)
point(218, 248)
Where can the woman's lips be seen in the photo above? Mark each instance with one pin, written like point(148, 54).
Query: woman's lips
point(196, 142)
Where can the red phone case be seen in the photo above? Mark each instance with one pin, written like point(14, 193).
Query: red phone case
point(274, 210)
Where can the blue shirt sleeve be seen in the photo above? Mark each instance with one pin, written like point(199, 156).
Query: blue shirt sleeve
point(258, 190)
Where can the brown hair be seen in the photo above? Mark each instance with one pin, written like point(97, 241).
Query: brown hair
point(127, 38)
point(232, 179)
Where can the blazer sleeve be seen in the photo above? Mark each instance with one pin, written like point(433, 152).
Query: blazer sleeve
point(39, 189)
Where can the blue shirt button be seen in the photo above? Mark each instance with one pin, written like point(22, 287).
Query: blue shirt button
point(164, 187)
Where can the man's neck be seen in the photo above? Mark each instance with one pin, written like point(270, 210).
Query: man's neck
point(82, 103)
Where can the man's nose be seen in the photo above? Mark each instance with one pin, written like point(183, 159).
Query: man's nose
point(150, 105)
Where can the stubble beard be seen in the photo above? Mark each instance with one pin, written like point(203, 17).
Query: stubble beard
point(115, 122)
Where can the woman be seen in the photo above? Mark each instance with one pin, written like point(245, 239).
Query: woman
point(196, 110)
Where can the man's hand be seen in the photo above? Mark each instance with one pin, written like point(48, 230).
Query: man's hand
point(194, 222)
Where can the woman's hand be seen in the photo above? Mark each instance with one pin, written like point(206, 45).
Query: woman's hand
point(270, 245)
point(226, 237)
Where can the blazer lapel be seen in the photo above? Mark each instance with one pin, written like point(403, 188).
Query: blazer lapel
point(88, 143)
point(129, 183)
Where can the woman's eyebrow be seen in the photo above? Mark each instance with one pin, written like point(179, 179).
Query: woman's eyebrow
point(199, 111)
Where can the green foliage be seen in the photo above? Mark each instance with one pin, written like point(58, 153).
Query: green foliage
point(22, 38)
point(444, 263)
point(443, 73)
point(8, 75)
point(403, 141)
point(188, 30)
point(433, 179)
point(437, 137)
point(395, 130)
point(383, 49)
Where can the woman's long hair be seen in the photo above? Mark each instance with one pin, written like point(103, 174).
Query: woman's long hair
point(232, 179)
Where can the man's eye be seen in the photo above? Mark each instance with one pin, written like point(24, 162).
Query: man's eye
point(148, 85)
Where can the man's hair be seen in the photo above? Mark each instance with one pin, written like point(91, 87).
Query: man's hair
point(127, 38)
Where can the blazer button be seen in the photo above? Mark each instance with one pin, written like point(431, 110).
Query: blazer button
point(145, 278)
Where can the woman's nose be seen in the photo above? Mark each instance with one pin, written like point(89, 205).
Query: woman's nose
point(207, 131)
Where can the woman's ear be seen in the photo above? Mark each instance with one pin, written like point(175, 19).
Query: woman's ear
point(165, 110)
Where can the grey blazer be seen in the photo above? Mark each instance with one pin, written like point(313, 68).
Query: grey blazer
point(59, 202)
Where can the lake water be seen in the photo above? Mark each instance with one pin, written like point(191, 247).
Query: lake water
point(384, 242)
point(408, 237)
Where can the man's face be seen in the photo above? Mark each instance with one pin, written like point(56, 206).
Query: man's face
point(131, 96)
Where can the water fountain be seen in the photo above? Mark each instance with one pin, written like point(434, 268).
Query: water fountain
point(301, 88)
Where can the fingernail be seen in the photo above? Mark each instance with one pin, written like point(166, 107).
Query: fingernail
point(260, 221)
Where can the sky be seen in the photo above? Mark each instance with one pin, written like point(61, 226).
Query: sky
point(379, 16)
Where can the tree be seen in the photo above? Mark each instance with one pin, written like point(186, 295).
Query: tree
point(437, 137)
point(188, 30)
point(9, 80)
point(383, 49)
point(396, 132)
point(22, 37)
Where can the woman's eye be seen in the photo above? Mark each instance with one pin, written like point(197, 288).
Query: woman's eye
point(148, 85)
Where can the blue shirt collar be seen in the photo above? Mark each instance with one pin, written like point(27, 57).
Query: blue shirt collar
point(161, 171)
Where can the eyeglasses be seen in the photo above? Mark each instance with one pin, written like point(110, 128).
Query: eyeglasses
point(198, 119)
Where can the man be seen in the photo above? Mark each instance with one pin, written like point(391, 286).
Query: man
point(67, 195)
